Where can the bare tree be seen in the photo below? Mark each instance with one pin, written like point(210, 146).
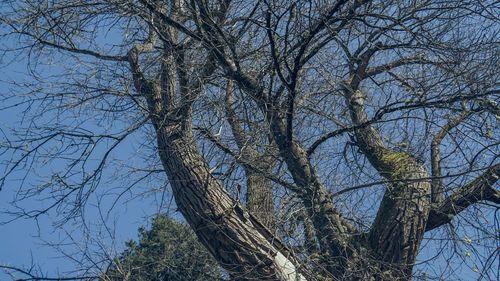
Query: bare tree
point(374, 124)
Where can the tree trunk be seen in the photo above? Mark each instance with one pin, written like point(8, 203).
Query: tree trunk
point(237, 240)
point(259, 188)
point(260, 198)
point(400, 224)
point(395, 236)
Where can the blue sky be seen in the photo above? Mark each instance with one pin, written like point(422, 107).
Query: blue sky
point(24, 241)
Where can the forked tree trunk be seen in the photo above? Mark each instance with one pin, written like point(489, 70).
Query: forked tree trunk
point(397, 232)
point(237, 240)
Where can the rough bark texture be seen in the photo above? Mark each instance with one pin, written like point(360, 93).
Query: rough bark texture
point(300, 67)
point(241, 244)
point(400, 223)
point(260, 198)
point(399, 226)
point(239, 240)
point(333, 232)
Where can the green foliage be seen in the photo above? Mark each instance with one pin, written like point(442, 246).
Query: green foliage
point(169, 251)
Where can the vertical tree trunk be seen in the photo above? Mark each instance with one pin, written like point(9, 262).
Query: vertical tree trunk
point(259, 189)
point(401, 220)
point(399, 226)
point(239, 242)
point(260, 198)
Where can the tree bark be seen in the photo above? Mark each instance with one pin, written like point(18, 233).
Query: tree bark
point(241, 244)
point(260, 198)
point(259, 193)
point(480, 189)
point(399, 226)
point(333, 231)
point(237, 240)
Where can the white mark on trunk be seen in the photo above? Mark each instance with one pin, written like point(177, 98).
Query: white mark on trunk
point(288, 270)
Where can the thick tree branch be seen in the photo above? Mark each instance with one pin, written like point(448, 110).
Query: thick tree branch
point(272, 45)
point(232, 117)
point(418, 59)
point(76, 50)
point(172, 60)
point(390, 108)
point(332, 230)
point(169, 21)
point(149, 89)
point(239, 159)
point(480, 189)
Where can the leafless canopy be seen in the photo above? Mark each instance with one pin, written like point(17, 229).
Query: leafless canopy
point(301, 140)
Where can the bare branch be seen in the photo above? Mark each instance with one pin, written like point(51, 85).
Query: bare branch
point(35, 277)
point(437, 194)
point(480, 189)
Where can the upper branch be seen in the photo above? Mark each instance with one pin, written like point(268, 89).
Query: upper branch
point(437, 192)
point(232, 118)
point(69, 48)
point(75, 50)
point(169, 21)
point(320, 25)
